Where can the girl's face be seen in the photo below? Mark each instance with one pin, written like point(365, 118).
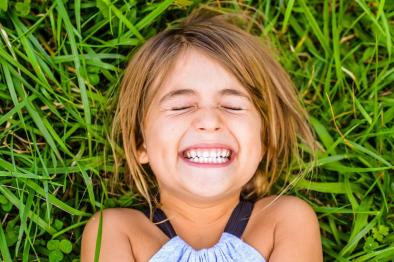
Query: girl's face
point(202, 131)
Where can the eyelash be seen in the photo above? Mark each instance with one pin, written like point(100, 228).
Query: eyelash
point(225, 107)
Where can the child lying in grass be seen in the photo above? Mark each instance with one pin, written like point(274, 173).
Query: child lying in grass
point(209, 118)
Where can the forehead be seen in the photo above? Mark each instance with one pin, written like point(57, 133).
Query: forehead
point(200, 74)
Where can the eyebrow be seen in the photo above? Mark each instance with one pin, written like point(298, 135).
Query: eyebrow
point(185, 91)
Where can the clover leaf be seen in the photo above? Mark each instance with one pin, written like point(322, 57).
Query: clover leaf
point(66, 246)
point(56, 256)
point(53, 244)
point(58, 224)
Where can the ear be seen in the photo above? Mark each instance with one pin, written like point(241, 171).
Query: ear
point(142, 154)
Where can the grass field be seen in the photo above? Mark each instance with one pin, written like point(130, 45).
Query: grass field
point(60, 67)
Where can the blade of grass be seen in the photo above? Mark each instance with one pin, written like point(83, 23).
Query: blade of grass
point(354, 241)
point(5, 253)
point(335, 42)
point(364, 6)
point(85, 101)
point(316, 28)
point(323, 134)
point(53, 200)
point(124, 20)
point(326, 187)
point(23, 216)
point(99, 235)
point(150, 18)
point(32, 111)
point(289, 8)
point(16, 202)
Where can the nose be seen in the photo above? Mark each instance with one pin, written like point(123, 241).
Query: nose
point(208, 119)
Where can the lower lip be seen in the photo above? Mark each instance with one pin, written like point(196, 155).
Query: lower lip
point(196, 164)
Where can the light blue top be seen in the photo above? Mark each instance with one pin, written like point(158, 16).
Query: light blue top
point(229, 248)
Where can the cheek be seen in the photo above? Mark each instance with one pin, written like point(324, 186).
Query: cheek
point(248, 129)
point(165, 133)
point(249, 135)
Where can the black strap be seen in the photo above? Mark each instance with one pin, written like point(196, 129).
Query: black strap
point(239, 218)
point(235, 225)
point(161, 220)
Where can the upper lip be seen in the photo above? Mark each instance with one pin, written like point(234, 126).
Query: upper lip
point(208, 146)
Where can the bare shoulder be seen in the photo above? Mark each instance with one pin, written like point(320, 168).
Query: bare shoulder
point(296, 234)
point(285, 206)
point(114, 225)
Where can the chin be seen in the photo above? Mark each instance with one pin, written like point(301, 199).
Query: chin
point(207, 193)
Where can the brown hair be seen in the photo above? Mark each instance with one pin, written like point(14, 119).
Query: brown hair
point(221, 37)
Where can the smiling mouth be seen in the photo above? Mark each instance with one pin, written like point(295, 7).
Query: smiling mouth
point(208, 156)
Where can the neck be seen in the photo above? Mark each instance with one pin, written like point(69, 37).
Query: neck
point(198, 213)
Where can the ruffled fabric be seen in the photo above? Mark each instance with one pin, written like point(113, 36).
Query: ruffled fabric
point(229, 248)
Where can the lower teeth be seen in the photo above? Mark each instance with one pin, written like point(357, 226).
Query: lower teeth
point(209, 160)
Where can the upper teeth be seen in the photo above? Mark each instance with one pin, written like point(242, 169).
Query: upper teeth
point(207, 153)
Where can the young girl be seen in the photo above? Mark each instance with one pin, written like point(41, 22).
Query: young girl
point(210, 119)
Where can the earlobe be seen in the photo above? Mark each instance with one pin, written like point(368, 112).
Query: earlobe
point(143, 155)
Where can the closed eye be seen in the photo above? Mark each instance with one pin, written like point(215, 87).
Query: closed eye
point(181, 108)
point(233, 108)
point(189, 107)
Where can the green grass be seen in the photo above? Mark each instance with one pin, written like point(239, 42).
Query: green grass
point(60, 67)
